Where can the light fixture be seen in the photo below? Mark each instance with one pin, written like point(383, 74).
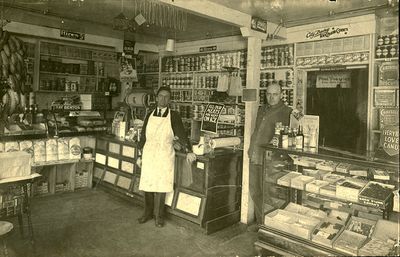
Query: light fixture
point(121, 22)
point(140, 19)
point(170, 46)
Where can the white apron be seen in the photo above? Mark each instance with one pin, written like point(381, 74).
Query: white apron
point(158, 158)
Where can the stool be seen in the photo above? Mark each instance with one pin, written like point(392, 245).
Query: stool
point(5, 228)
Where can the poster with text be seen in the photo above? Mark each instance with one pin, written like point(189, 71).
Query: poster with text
point(209, 123)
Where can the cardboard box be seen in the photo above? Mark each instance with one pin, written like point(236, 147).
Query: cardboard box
point(327, 165)
point(315, 186)
point(300, 182)
point(11, 146)
point(292, 223)
point(74, 148)
point(343, 168)
point(349, 242)
point(303, 210)
point(349, 189)
point(51, 150)
point(39, 149)
point(15, 164)
point(376, 194)
point(286, 179)
point(63, 148)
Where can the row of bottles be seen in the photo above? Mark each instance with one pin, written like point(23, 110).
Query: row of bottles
point(387, 51)
point(273, 56)
point(387, 39)
point(287, 137)
point(184, 81)
point(209, 62)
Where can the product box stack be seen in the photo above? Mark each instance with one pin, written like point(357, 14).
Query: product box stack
point(330, 228)
point(15, 164)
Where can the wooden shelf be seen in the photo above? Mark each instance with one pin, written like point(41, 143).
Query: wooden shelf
point(67, 57)
point(47, 163)
point(277, 68)
point(385, 87)
point(70, 74)
point(332, 65)
point(376, 131)
point(148, 73)
point(284, 88)
point(387, 59)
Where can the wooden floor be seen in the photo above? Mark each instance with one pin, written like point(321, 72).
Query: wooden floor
point(94, 223)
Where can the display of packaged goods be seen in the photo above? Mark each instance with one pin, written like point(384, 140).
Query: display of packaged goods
point(329, 190)
point(315, 186)
point(74, 148)
point(26, 146)
point(306, 161)
point(343, 168)
point(63, 148)
point(292, 223)
point(11, 146)
point(309, 212)
point(51, 150)
point(300, 182)
point(333, 178)
point(361, 226)
point(327, 165)
point(39, 148)
point(327, 232)
point(358, 171)
point(286, 179)
point(375, 247)
point(349, 242)
point(380, 174)
point(376, 194)
point(349, 189)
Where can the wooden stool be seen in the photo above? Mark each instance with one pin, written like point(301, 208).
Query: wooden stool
point(5, 228)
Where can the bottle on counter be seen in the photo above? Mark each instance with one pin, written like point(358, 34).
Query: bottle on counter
point(285, 137)
point(275, 139)
point(290, 137)
point(299, 142)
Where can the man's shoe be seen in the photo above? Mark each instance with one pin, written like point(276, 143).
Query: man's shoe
point(159, 222)
point(144, 219)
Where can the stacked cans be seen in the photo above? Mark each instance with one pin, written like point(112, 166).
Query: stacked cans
point(387, 46)
point(277, 56)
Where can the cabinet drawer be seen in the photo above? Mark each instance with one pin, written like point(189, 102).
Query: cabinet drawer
point(100, 158)
point(124, 182)
point(127, 167)
point(114, 148)
point(101, 144)
point(110, 177)
point(112, 162)
point(128, 151)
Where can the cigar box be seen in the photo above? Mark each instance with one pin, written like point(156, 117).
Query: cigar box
point(303, 210)
point(299, 182)
point(286, 179)
point(327, 165)
point(376, 194)
point(349, 189)
point(349, 242)
point(292, 223)
point(343, 168)
point(315, 186)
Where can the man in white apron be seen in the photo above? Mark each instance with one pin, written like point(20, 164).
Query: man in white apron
point(160, 128)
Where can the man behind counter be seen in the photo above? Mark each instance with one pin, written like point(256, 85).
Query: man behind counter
point(162, 132)
point(275, 111)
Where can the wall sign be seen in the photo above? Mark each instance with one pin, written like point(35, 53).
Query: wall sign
point(259, 24)
point(129, 47)
point(385, 98)
point(72, 35)
point(388, 117)
point(389, 140)
point(333, 79)
point(389, 74)
point(207, 49)
point(330, 32)
point(209, 123)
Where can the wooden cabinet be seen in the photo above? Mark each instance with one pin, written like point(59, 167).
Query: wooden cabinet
point(115, 166)
point(208, 192)
point(319, 186)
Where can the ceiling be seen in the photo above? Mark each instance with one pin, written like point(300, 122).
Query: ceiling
point(288, 12)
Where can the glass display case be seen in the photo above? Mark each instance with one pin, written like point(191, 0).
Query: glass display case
point(328, 203)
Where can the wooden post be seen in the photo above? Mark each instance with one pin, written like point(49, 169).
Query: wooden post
point(252, 82)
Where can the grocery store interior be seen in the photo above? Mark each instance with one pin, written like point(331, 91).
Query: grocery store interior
point(280, 119)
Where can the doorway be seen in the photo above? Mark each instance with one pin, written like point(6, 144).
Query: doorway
point(340, 99)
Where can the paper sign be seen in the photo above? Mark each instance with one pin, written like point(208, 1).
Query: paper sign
point(211, 115)
point(333, 79)
point(127, 167)
point(100, 158)
point(330, 32)
point(388, 117)
point(113, 163)
point(200, 165)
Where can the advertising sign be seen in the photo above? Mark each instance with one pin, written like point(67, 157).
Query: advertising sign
point(389, 140)
point(209, 123)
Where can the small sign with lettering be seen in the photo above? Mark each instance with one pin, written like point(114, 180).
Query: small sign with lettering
point(72, 35)
point(209, 122)
point(389, 140)
point(331, 32)
point(208, 49)
point(259, 24)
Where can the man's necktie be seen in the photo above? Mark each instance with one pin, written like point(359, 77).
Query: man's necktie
point(159, 112)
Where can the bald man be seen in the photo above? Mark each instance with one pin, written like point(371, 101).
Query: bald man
point(275, 111)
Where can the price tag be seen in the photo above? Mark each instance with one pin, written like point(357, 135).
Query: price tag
point(200, 165)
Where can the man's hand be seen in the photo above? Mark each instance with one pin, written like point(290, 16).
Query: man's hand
point(190, 157)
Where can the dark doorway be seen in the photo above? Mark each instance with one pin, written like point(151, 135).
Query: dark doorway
point(340, 99)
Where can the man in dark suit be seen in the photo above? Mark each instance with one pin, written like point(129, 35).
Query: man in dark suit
point(162, 132)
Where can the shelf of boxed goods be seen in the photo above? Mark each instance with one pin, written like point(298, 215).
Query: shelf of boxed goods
point(306, 239)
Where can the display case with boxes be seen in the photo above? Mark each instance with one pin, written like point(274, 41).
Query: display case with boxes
point(336, 212)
